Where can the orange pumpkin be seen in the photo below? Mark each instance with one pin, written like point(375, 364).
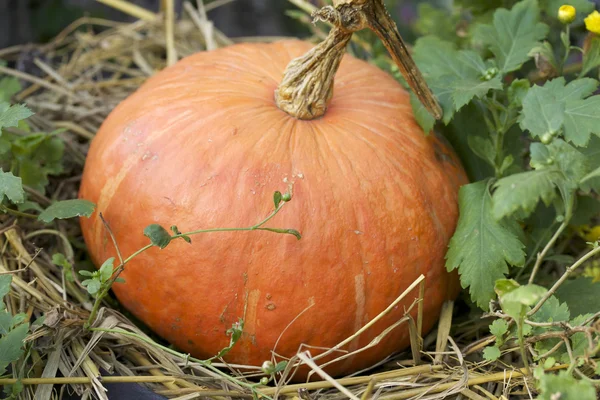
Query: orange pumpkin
point(203, 144)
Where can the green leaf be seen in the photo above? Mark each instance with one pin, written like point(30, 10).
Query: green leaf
point(235, 333)
point(11, 187)
point(482, 247)
point(67, 209)
point(513, 34)
point(542, 111)
point(563, 386)
point(5, 322)
point(106, 270)
point(581, 295)
point(491, 353)
point(11, 346)
point(483, 147)
point(557, 104)
point(9, 86)
point(517, 91)
point(92, 285)
point(5, 281)
point(591, 58)
point(455, 77)
point(277, 197)
point(499, 328)
point(158, 235)
point(526, 295)
point(425, 120)
point(60, 260)
point(558, 165)
point(11, 115)
point(582, 119)
point(523, 191)
point(176, 231)
point(551, 311)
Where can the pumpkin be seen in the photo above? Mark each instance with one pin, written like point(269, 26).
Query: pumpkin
point(205, 143)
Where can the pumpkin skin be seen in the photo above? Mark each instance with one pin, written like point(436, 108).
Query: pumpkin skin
point(202, 144)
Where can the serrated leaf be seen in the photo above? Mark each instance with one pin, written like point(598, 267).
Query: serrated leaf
point(158, 235)
point(106, 270)
point(67, 209)
point(491, 353)
point(573, 163)
point(524, 190)
point(513, 34)
point(557, 104)
point(581, 295)
point(11, 187)
point(542, 111)
point(482, 247)
point(582, 118)
point(564, 386)
point(11, 346)
point(11, 115)
point(499, 328)
point(551, 311)
point(558, 166)
point(456, 77)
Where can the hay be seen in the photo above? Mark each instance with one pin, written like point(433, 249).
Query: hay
point(73, 82)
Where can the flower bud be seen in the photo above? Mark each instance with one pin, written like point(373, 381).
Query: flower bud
point(264, 380)
point(566, 14)
point(267, 367)
point(592, 22)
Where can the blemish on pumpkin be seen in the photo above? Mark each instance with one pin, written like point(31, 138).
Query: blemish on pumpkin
point(251, 311)
point(359, 298)
point(268, 296)
point(190, 342)
point(271, 306)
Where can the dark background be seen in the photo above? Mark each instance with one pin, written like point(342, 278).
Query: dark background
point(25, 21)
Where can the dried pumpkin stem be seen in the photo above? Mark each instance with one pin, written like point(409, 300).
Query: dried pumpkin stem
point(307, 85)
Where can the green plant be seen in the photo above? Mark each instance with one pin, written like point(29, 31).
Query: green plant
point(529, 134)
point(27, 160)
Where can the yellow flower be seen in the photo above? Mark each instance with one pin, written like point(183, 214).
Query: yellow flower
point(566, 14)
point(592, 22)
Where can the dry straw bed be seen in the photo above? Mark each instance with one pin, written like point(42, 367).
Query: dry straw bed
point(72, 83)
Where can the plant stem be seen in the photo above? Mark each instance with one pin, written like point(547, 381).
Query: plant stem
point(108, 285)
point(521, 337)
point(542, 254)
point(563, 278)
point(567, 49)
point(17, 213)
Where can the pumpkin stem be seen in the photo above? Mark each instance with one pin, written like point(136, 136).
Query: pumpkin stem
point(307, 85)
